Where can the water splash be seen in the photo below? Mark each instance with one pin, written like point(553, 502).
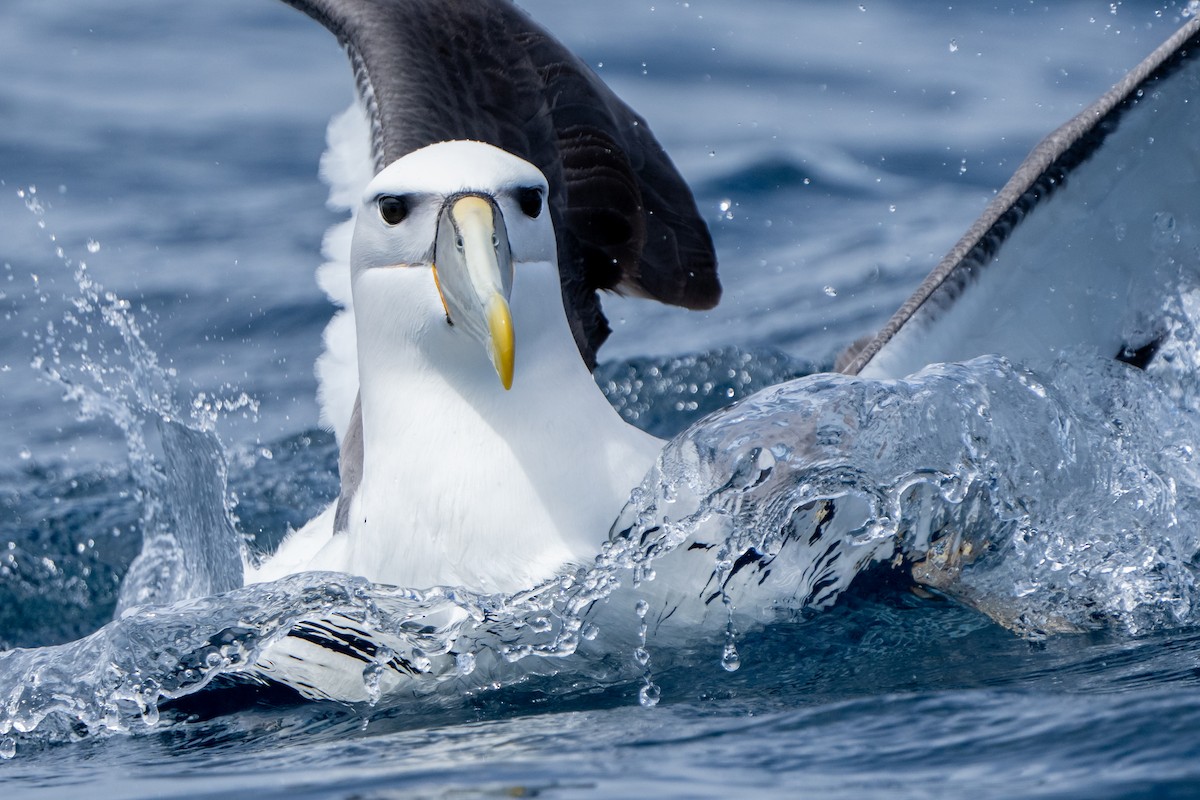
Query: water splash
point(97, 352)
point(1047, 501)
point(1049, 504)
point(649, 693)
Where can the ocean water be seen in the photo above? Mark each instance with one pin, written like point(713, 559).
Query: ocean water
point(160, 220)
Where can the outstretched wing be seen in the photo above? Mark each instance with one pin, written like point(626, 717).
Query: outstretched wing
point(1081, 245)
point(433, 70)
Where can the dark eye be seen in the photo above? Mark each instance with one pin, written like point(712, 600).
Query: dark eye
point(393, 208)
point(530, 200)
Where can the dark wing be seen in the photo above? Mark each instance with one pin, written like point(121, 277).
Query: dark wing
point(1082, 243)
point(433, 70)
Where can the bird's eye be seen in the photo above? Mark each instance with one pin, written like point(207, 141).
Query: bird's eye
point(393, 208)
point(530, 200)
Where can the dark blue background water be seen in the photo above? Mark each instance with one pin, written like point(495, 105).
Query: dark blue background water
point(837, 149)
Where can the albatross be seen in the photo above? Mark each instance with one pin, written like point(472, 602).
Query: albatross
point(484, 455)
point(511, 187)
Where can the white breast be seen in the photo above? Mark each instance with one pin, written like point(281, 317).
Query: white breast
point(465, 483)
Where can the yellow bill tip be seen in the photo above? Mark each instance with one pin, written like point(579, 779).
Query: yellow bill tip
point(500, 328)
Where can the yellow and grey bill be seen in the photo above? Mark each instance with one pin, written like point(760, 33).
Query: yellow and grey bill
point(473, 271)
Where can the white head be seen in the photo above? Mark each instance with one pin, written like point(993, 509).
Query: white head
point(438, 237)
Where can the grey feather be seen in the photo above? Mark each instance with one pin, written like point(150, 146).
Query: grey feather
point(350, 467)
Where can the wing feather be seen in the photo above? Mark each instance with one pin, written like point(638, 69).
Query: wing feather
point(1043, 268)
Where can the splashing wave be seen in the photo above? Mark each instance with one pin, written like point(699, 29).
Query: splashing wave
point(1050, 503)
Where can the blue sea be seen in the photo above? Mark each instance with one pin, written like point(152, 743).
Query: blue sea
point(161, 218)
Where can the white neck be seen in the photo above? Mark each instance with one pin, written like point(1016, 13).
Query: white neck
point(465, 483)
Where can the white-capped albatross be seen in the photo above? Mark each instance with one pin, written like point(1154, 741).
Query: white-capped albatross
point(507, 174)
point(512, 185)
point(489, 457)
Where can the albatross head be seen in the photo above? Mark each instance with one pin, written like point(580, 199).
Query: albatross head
point(438, 237)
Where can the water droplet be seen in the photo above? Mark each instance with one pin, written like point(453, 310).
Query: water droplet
point(730, 660)
point(642, 608)
point(93, 246)
point(464, 663)
point(954, 45)
point(830, 291)
point(25, 454)
point(8, 747)
point(371, 675)
point(649, 695)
